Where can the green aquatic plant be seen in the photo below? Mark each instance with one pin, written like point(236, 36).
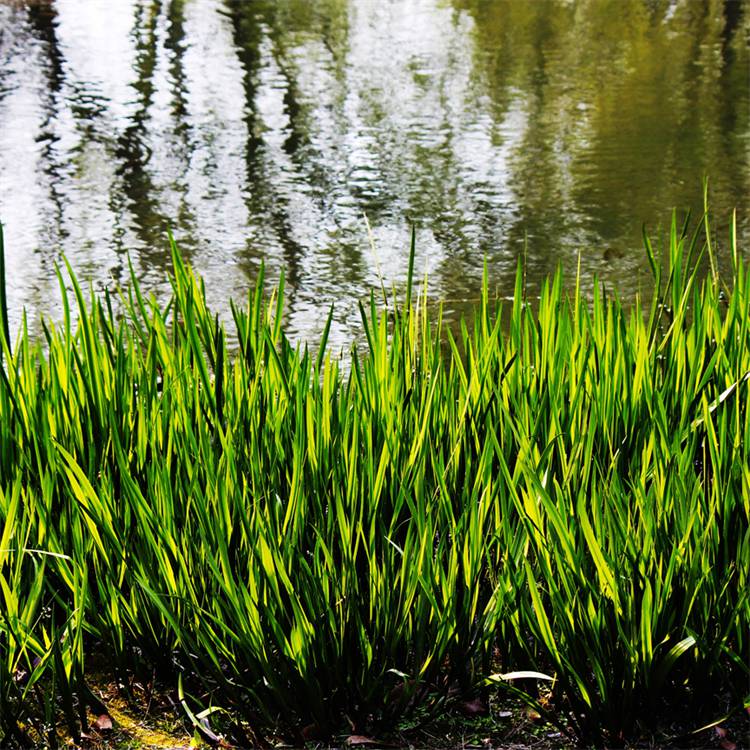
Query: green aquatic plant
point(305, 544)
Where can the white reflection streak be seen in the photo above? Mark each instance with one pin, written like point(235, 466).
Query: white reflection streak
point(410, 88)
point(22, 193)
point(388, 47)
point(306, 220)
point(99, 59)
point(215, 175)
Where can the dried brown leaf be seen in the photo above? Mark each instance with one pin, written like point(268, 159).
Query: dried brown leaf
point(533, 715)
point(359, 740)
point(103, 723)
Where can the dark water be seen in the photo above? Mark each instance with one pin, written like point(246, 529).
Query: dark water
point(268, 129)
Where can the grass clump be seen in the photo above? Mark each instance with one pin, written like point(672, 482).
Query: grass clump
point(305, 548)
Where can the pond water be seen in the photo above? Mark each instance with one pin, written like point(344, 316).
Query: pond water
point(266, 130)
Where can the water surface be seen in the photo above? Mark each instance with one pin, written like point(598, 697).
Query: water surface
point(266, 130)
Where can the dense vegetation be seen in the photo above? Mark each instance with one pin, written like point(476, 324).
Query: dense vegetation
point(561, 487)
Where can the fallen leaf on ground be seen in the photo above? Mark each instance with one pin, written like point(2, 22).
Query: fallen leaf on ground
point(355, 740)
point(103, 723)
point(726, 743)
